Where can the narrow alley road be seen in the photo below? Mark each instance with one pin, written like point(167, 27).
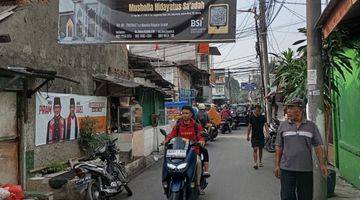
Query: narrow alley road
point(233, 177)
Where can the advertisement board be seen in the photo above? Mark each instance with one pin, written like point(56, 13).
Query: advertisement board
point(59, 116)
point(146, 21)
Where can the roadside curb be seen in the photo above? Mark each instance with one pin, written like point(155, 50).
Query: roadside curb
point(39, 187)
point(141, 164)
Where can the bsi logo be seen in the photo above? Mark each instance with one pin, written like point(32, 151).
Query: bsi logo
point(196, 23)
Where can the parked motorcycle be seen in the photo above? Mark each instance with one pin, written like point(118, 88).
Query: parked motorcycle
point(179, 170)
point(270, 141)
point(102, 181)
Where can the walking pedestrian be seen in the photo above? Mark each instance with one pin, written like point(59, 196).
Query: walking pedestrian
point(293, 158)
point(256, 127)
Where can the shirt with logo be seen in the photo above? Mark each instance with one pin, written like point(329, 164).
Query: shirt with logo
point(187, 131)
point(297, 144)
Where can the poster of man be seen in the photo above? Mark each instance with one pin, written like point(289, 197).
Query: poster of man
point(56, 126)
point(72, 125)
point(59, 116)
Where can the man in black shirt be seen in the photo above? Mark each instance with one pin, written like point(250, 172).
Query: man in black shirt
point(256, 127)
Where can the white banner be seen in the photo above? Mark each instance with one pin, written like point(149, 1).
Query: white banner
point(59, 116)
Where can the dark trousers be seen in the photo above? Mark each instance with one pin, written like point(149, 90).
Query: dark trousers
point(296, 185)
point(205, 153)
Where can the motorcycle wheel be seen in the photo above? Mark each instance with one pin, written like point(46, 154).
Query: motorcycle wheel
point(174, 196)
point(269, 146)
point(93, 191)
point(128, 190)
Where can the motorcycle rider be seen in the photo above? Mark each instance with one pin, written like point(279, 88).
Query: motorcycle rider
point(202, 116)
point(204, 119)
point(185, 128)
point(226, 115)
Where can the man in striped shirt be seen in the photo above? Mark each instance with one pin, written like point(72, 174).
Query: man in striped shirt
point(293, 159)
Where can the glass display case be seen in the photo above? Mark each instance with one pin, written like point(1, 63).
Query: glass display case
point(130, 118)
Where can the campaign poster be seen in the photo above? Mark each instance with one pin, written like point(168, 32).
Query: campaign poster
point(59, 116)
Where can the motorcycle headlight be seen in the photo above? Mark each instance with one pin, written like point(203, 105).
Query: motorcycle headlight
point(171, 166)
point(182, 166)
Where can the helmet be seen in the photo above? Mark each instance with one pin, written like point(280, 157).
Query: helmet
point(201, 106)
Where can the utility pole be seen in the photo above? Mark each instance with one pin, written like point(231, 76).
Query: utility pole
point(258, 52)
point(315, 86)
point(264, 52)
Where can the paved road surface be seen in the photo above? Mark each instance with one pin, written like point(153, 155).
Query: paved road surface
point(233, 177)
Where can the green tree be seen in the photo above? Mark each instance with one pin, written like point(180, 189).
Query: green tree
point(290, 70)
point(291, 67)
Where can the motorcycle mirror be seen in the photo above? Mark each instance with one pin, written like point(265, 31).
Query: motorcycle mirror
point(163, 132)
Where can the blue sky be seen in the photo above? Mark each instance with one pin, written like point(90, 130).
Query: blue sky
point(282, 34)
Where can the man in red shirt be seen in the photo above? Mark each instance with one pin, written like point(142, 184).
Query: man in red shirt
point(226, 117)
point(185, 128)
point(225, 113)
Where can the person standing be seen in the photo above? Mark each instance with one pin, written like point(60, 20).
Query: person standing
point(293, 157)
point(72, 129)
point(256, 126)
point(56, 126)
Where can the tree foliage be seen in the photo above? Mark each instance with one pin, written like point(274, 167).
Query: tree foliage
point(291, 67)
point(290, 73)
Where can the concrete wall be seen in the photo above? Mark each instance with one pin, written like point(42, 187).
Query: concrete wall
point(149, 132)
point(138, 143)
point(144, 141)
point(33, 29)
point(185, 79)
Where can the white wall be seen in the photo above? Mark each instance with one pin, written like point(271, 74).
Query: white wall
point(143, 142)
point(148, 140)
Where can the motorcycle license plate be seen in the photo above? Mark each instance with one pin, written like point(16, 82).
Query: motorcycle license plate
point(83, 182)
point(176, 153)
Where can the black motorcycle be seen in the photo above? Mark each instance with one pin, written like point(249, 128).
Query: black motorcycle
point(205, 134)
point(270, 141)
point(213, 132)
point(227, 125)
point(179, 170)
point(102, 181)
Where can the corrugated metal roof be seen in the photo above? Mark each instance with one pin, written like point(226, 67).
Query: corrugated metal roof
point(6, 11)
point(8, 2)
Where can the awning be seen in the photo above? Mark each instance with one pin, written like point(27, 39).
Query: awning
point(142, 68)
point(15, 73)
point(115, 80)
point(6, 9)
point(340, 13)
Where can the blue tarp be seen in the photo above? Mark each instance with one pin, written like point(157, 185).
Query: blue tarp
point(177, 104)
